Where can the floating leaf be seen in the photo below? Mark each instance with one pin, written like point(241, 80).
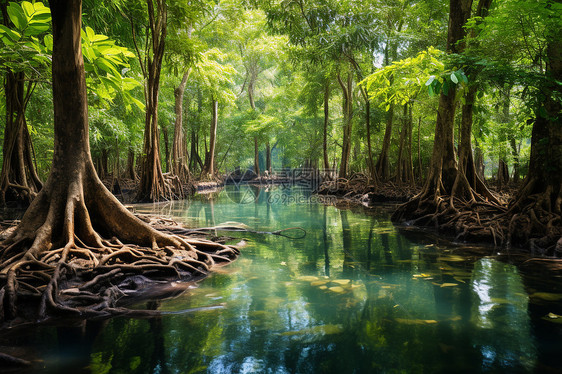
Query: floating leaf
point(449, 284)
point(319, 283)
point(551, 317)
point(452, 258)
point(546, 296)
point(307, 278)
point(422, 275)
point(337, 289)
point(416, 321)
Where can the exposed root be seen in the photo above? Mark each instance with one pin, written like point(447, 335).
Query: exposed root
point(531, 221)
point(363, 189)
point(89, 280)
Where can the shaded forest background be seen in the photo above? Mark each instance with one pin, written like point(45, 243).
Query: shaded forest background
point(281, 78)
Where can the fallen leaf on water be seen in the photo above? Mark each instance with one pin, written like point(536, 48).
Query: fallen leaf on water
point(318, 283)
point(551, 317)
point(415, 321)
point(449, 284)
point(547, 296)
point(452, 258)
point(307, 278)
point(337, 289)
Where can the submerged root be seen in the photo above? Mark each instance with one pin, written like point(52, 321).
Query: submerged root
point(90, 279)
point(532, 221)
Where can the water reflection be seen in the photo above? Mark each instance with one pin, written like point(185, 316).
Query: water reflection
point(500, 312)
point(353, 296)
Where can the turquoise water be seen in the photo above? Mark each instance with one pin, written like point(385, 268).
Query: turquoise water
point(354, 296)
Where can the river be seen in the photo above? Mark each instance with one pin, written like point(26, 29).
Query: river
point(355, 295)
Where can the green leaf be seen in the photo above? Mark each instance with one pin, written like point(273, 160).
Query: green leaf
point(15, 12)
point(98, 38)
point(36, 28)
point(106, 66)
point(48, 40)
point(430, 80)
point(12, 34)
point(28, 9)
point(454, 78)
point(430, 90)
point(90, 34)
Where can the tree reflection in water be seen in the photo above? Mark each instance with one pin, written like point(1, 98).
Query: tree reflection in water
point(353, 296)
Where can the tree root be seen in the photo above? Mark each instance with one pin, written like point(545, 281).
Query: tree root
point(531, 221)
point(90, 280)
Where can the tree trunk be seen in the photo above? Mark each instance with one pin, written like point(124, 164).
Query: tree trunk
point(347, 89)
point(404, 166)
point(153, 186)
point(256, 156)
point(179, 162)
point(268, 157)
point(58, 244)
point(420, 168)
point(326, 121)
point(19, 182)
point(167, 154)
point(383, 166)
point(194, 157)
point(537, 208)
point(516, 162)
point(104, 163)
point(370, 161)
point(443, 168)
point(131, 172)
point(210, 157)
point(469, 182)
point(479, 161)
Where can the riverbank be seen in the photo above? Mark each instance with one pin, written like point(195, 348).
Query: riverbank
point(474, 222)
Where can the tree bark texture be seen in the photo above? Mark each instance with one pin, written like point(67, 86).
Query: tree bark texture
point(19, 182)
point(179, 150)
point(59, 244)
point(153, 186)
point(347, 89)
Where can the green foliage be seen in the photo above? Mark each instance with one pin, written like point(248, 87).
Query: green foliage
point(403, 80)
point(22, 46)
point(215, 76)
